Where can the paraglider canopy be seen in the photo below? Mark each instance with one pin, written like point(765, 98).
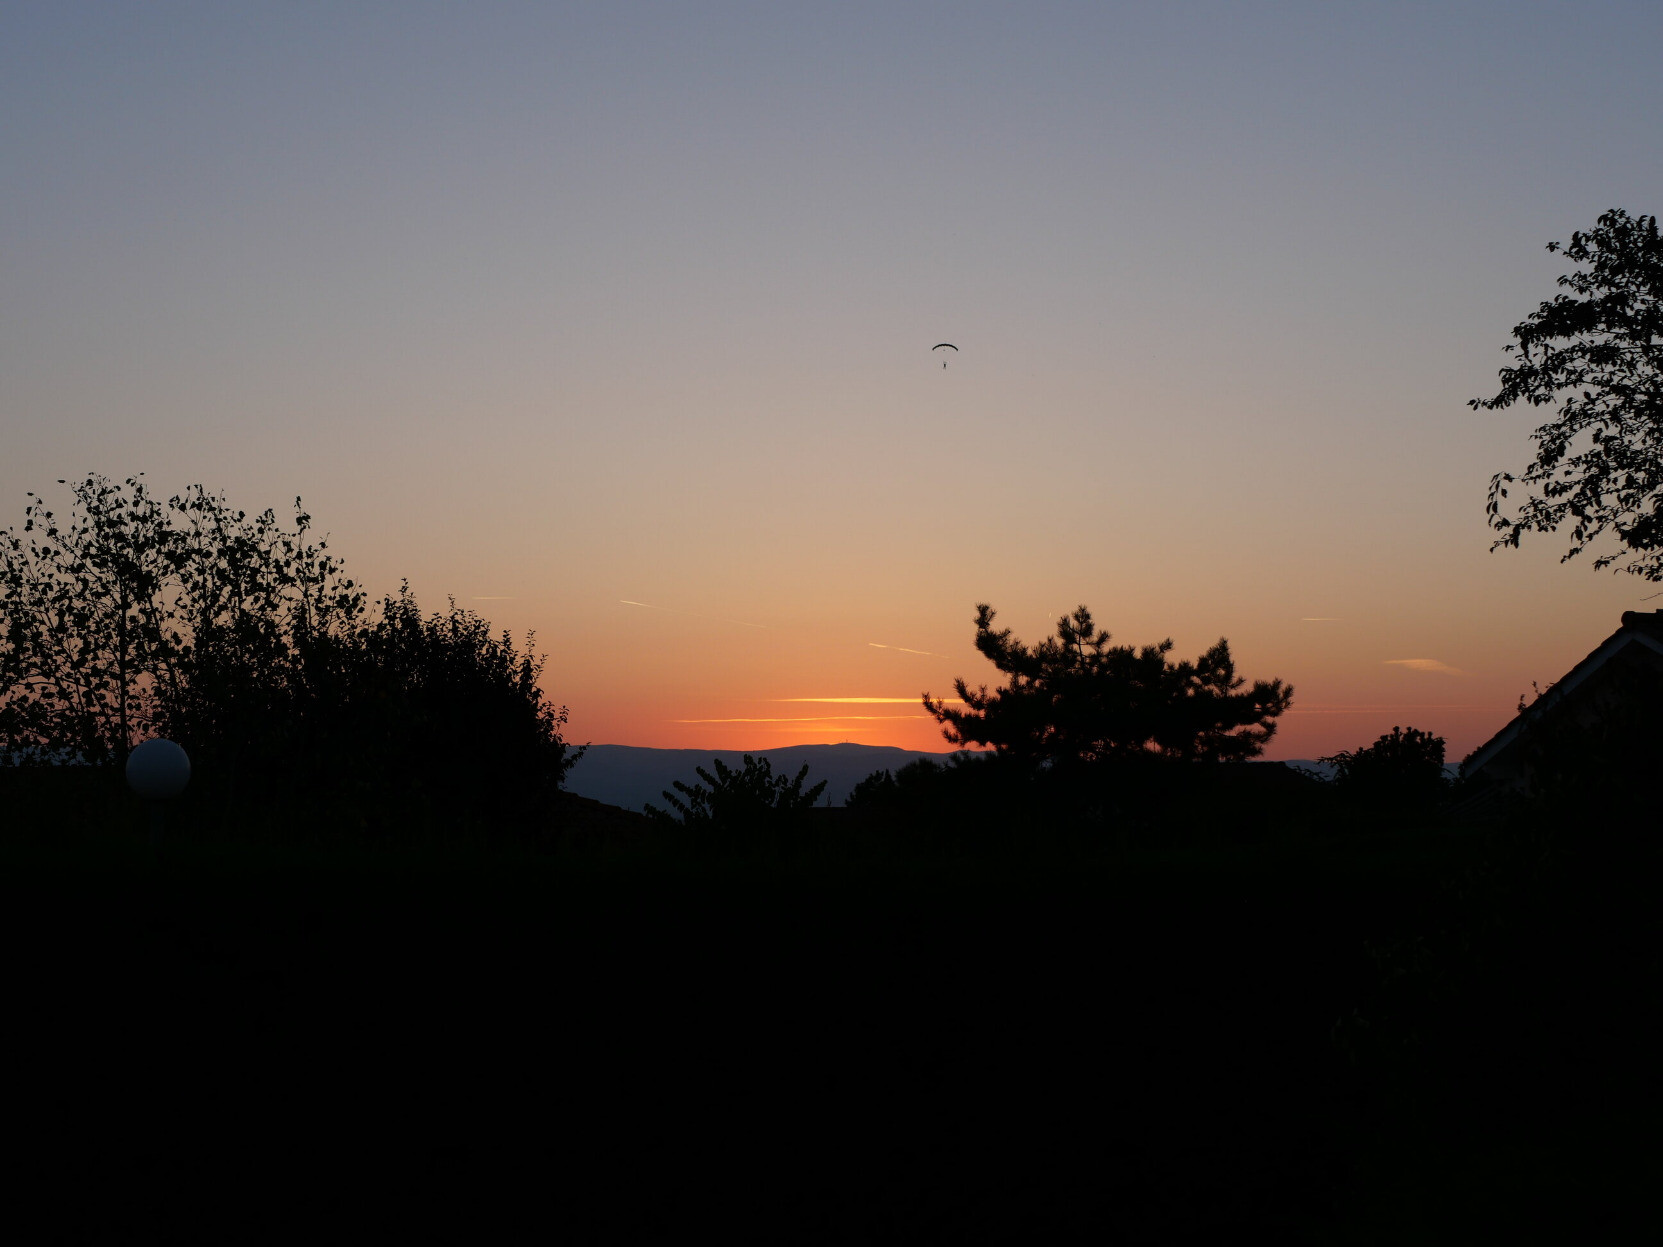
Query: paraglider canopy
point(948, 346)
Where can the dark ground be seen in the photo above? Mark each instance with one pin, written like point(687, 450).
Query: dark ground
point(1395, 1037)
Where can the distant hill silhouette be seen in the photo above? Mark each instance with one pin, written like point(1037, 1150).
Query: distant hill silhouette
point(629, 776)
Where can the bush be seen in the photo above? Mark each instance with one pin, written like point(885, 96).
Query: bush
point(1403, 768)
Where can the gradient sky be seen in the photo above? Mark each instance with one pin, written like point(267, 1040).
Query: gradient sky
point(613, 321)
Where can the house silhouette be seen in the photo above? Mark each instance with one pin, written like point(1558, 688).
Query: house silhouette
point(1593, 718)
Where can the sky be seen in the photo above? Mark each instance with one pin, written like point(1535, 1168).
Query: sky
point(614, 323)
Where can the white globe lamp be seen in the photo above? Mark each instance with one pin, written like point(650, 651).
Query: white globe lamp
point(158, 770)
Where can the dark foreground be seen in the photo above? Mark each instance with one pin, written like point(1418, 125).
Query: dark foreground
point(1419, 1036)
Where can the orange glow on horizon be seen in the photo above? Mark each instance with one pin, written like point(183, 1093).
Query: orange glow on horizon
point(866, 700)
point(845, 718)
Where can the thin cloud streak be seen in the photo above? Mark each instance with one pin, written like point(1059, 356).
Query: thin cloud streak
point(693, 615)
point(1394, 705)
point(862, 701)
point(1395, 708)
point(811, 727)
point(1424, 664)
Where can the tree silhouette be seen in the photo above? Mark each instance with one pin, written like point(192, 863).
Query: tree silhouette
point(432, 711)
point(132, 610)
point(245, 641)
point(1074, 698)
point(1598, 353)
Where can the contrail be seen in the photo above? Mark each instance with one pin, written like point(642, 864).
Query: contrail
point(901, 649)
point(692, 615)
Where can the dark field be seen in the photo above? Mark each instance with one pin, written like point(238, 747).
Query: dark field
point(1427, 1034)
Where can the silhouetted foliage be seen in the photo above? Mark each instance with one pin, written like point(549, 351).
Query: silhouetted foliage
point(431, 712)
point(744, 802)
point(1077, 699)
point(972, 802)
point(879, 788)
point(132, 609)
point(1403, 767)
point(919, 786)
point(982, 803)
point(246, 642)
point(1598, 354)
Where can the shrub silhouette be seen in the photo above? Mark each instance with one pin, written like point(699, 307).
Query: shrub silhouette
point(881, 789)
point(1403, 767)
point(971, 802)
point(924, 788)
point(742, 803)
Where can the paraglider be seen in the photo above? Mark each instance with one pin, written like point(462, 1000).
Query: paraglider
point(944, 346)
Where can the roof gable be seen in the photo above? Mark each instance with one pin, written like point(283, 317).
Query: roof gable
point(1639, 629)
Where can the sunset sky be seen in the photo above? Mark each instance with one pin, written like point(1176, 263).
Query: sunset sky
point(614, 322)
